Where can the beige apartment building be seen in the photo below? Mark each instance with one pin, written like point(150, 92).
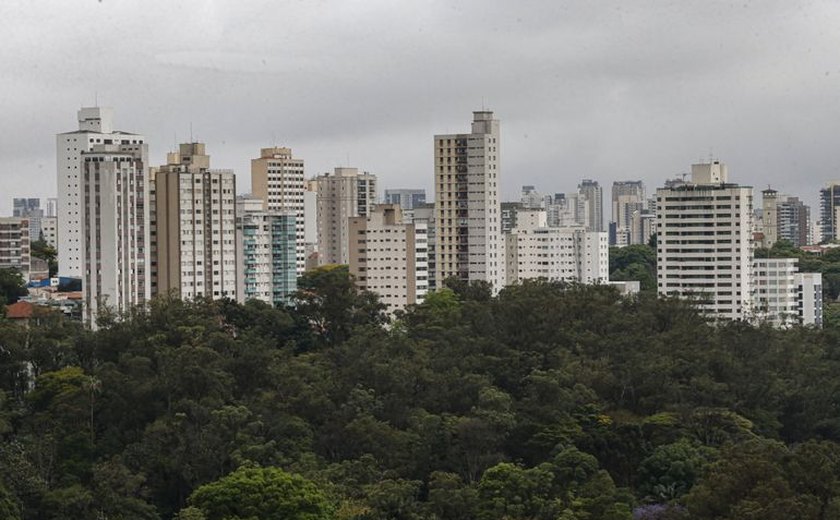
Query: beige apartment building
point(468, 225)
point(193, 222)
point(344, 194)
point(15, 244)
point(389, 257)
point(277, 178)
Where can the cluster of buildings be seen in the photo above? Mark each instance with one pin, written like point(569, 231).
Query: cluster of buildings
point(129, 230)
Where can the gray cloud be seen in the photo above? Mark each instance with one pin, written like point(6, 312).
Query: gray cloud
point(607, 89)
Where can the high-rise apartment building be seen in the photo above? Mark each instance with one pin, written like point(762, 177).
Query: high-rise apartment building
point(573, 254)
point(592, 196)
point(425, 214)
point(278, 179)
point(194, 227)
point(390, 257)
point(266, 255)
point(115, 237)
point(341, 195)
point(52, 207)
point(468, 224)
point(784, 218)
point(704, 242)
point(406, 198)
point(95, 128)
point(627, 197)
point(829, 209)
point(784, 296)
point(531, 198)
point(15, 244)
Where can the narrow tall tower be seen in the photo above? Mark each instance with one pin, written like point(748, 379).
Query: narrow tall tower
point(467, 209)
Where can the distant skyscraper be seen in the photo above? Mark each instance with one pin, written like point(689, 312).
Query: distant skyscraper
point(278, 179)
point(627, 197)
point(345, 193)
point(406, 198)
point(115, 237)
point(467, 210)
point(593, 197)
point(194, 226)
point(704, 243)
point(829, 208)
point(531, 198)
point(95, 128)
point(784, 218)
point(31, 209)
point(52, 207)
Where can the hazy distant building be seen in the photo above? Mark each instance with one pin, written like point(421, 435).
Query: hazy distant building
point(592, 197)
point(468, 224)
point(407, 199)
point(829, 208)
point(341, 195)
point(49, 230)
point(627, 198)
point(115, 236)
point(52, 207)
point(95, 128)
point(31, 209)
point(278, 179)
point(531, 198)
point(509, 211)
point(704, 242)
point(390, 257)
point(194, 226)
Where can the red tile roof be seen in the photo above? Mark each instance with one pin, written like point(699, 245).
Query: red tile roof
point(19, 311)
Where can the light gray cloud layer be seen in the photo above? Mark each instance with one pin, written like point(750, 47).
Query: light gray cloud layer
point(603, 89)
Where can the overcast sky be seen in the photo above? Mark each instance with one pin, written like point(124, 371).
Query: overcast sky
point(584, 89)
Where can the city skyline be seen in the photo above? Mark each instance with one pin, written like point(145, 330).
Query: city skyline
point(611, 92)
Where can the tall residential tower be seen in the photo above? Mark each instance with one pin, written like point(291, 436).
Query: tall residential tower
point(467, 209)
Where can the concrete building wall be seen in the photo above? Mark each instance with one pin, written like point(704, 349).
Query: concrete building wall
point(15, 244)
point(344, 194)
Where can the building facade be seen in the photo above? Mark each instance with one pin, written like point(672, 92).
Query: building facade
point(49, 230)
point(194, 227)
point(95, 128)
point(829, 207)
point(15, 244)
point(468, 228)
point(344, 194)
point(115, 234)
point(627, 197)
point(406, 198)
point(704, 242)
point(592, 197)
point(390, 257)
point(278, 179)
point(31, 209)
point(267, 256)
point(572, 254)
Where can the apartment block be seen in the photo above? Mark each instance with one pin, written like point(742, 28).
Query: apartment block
point(704, 242)
point(31, 209)
point(114, 231)
point(406, 198)
point(592, 196)
point(784, 218)
point(573, 254)
point(15, 244)
point(784, 296)
point(267, 255)
point(809, 298)
point(389, 257)
point(194, 227)
point(95, 128)
point(468, 227)
point(278, 179)
point(344, 194)
point(425, 214)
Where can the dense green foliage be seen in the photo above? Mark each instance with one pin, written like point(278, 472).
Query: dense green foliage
point(548, 402)
point(12, 286)
point(636, 262)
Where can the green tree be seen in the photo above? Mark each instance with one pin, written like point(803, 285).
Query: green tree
point(12, 286)
point(40, 249)
point(254, 493)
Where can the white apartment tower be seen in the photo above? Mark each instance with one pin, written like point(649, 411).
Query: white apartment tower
point(194, 227)
point(115, 238)
point(344, 194)
point(390, 257)
point(95, 128)
point(278, 179)
point(704, 242)
point(467, 210)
